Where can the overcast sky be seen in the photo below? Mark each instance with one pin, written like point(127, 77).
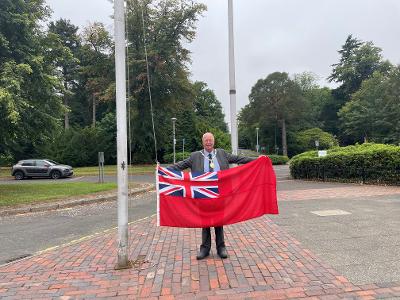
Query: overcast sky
point(270, 35)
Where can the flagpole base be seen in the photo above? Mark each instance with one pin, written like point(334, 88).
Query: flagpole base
point(129, 265)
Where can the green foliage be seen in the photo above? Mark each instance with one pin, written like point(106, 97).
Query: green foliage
point(30, 108)
point(80, 146)
point(207, 107)
point(169, 25)
point(278, 159)
point(6, 159)
point(305, 140)
point(276, 103)
point(315, 97)
point(95, 92)
point(222, 139)
point(359, 60)
point(374, 163)
point(66, 44)
point(169, 158)
point(373, 113)
point(59, 78)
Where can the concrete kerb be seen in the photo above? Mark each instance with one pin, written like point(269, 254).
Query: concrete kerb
point(73, 242)
point(62, 204)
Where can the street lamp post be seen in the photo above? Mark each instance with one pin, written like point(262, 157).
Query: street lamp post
point(258, 146)
point(183, 148)
point(174, 140)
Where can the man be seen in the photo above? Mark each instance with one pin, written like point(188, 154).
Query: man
point(210, 160)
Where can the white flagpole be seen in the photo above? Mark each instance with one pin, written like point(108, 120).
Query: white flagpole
point(232, 85)
point(120, 77)
point(158, 196)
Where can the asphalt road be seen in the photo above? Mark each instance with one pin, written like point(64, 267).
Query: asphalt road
point(26, 234)
point(108, 178)
point(362, 245)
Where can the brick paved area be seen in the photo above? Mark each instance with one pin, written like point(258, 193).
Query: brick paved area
point(351, 191)
point(265, 263)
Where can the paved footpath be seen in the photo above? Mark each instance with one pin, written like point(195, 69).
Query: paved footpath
point(265, 262)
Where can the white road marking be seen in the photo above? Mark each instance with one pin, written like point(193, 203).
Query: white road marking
point(333, 212)
point(75, 178)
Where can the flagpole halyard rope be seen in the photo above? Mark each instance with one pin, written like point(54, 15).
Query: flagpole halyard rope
point(151, 250)
point(149, 88)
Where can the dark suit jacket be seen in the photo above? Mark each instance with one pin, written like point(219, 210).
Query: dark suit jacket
point(196, 161)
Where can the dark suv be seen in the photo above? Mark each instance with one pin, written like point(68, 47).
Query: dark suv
point(40, 168)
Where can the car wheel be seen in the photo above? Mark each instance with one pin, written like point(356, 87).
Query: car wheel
point(55, 175)
point(19, 175)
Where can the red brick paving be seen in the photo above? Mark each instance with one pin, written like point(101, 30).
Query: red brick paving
point(351, 191)
point(264, 263)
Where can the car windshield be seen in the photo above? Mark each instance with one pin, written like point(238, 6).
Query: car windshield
point(53, 162)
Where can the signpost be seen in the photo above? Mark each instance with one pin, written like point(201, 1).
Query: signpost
point(101, 167)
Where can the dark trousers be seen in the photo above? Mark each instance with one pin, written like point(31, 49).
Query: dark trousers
point(206, 238)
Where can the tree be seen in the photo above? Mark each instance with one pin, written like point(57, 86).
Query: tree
point(166, 25)
point(373, 113)
point(68, 45)
point(315, 98)
point(207, 107)
point(277, 99)
point(359, 60)
point(305, 140)
point(29, 103)
point(97, 66)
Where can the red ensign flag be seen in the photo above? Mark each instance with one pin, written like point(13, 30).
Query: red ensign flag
point(216, 198)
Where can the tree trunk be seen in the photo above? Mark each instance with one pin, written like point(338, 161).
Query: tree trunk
point(66, 116)
point(284, 142)
point(94, 112)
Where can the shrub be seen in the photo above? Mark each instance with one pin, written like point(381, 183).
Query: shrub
point(278, 159)
point(373, 163)
point(169, 158)
point(305, 140)
point(80, 147)
point(275, 159)
point(6, 159)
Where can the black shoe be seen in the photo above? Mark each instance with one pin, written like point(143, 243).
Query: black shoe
point(203, 254)
point(222, 252)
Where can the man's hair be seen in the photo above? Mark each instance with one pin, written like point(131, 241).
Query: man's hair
point(205, 135)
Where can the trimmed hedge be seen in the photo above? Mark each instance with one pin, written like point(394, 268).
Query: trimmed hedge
point(275, 159)
point(278, 159)
point(367, 163)
point(169, 158)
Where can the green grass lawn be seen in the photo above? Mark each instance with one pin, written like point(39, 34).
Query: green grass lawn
point(5, 172)
point(14, 194)
point(112, 170)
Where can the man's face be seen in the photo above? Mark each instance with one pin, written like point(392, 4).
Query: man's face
point(208, 142)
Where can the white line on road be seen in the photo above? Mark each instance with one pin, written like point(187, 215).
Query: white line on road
point(75, 178)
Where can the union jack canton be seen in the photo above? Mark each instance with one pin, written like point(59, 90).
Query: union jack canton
point(189, 185)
